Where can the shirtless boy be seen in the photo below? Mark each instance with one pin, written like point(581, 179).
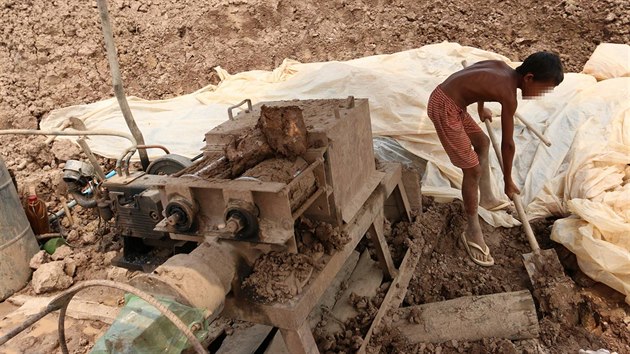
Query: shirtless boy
point(486, 81)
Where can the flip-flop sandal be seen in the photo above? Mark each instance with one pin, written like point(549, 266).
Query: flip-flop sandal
point(486, 252)
point(500, 207)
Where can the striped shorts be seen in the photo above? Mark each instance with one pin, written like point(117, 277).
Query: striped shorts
point(453, 125)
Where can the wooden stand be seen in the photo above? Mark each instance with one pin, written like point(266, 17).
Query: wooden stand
point(291, 317)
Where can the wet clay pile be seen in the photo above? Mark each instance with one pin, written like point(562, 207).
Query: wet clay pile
point(320, 235)
point(280, 276)
point(279, 133)
point(276, 170)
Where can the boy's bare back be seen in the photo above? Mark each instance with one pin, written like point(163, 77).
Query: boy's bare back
point(485, 81)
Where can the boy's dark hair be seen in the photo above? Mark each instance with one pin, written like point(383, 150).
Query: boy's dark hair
point(545, 66)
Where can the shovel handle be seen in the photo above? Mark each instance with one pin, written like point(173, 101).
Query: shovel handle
point(533, 129)
point(518, 203)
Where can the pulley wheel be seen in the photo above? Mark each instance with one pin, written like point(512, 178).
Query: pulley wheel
point(168, 164)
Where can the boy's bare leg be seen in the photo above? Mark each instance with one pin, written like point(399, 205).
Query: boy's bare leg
point(481, 143)
point(470, 188)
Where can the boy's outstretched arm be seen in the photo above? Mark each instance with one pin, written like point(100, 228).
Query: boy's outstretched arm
point(508, 148)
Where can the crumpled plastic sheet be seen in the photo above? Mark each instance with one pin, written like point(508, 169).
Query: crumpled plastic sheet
point(141, 329)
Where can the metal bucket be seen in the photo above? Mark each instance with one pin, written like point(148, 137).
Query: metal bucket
point(17, 241)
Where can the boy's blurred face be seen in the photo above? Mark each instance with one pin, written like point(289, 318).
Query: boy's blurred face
point(533, 89)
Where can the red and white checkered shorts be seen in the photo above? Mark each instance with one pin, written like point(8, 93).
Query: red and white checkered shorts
point(453, 125)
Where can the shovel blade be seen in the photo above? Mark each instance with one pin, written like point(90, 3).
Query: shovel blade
point(543, 268)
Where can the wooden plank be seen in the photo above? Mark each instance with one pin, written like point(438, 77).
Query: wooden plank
point(395, 294)
point(382, 250)
point(330, 296)
point(365, 281)
point(397, 205)
point(393, 169)
point(245, 340)
point(353, 172)
point(215, 329)
point(277, 345)
point(505, 315)
point(351, 206)
point(300, 341)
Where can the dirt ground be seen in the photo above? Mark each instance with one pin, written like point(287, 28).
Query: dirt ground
point(595, 319)
point(52, 56)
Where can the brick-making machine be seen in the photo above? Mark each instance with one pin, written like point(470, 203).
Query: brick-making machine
point(265, 173)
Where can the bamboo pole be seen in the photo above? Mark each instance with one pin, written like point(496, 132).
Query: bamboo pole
point(119, 91)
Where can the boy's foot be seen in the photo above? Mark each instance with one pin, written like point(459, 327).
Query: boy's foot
point(476, 253)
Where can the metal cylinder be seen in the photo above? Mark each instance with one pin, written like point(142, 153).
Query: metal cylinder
point(17, 241)
point(199, 279)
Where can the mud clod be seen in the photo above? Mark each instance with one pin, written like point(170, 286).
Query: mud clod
point(278, 276)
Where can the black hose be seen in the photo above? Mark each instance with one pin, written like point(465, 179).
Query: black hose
point(82, 200)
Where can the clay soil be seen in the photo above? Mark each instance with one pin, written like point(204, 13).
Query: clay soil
point(52, 56)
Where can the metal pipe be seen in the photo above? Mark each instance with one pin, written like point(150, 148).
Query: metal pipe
point(199, 279)
point(154, 146)
point(130, 152)
point(117, 80)
point(123, 158)
point(71, 132)
point(210, 166)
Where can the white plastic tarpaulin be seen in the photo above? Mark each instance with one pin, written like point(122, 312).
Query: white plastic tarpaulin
point(398, 87)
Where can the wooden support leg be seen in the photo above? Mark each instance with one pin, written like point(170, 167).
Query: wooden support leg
point(395, 295)
point(411, 182)
point(380, 244)
point(402, 201)
point(397, 205)
point(300, 341)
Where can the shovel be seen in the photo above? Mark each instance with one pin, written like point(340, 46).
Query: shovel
point(543, 266)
